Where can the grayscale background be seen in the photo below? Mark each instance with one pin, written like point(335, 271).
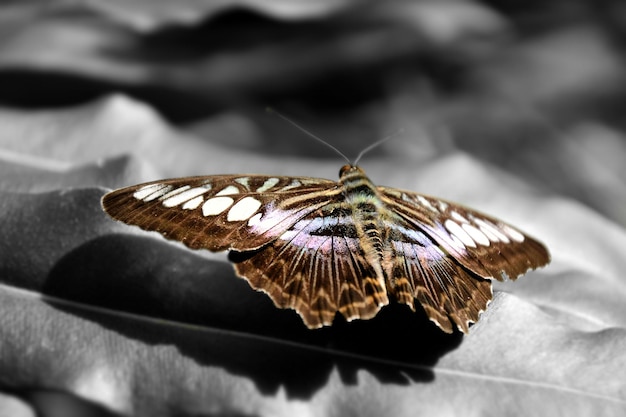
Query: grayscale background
point(514, 108)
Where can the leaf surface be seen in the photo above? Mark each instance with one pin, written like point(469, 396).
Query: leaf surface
point(126, 320)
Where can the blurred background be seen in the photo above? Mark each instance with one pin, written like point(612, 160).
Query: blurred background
point(536, 88)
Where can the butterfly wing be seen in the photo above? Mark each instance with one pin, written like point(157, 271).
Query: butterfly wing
point(483, 244)
point(220, 212)
point(444, 255)
point(291, 237)
point(418, 269)
point(318, 267)
point(295, 239)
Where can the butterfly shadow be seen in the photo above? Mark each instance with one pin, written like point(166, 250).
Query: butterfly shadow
point(198, 305)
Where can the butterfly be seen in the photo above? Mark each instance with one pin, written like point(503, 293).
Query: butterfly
point(323, 247)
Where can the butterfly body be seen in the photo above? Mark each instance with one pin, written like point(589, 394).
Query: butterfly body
point(322, 247)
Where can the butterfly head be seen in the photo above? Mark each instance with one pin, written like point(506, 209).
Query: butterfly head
point(350, 170)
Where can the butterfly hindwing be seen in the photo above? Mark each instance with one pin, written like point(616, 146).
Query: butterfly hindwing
point(420, 272)
point(318, 268)
point(219, 212)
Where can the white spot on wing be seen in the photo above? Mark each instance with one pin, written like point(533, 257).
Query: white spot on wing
point(174, 192)
point(309, 181)
point(243, 181)
point(216, 205)
point(512, 233)
point(491, 231)
point(478, 236)
point(456, 216)
point(194, 203)
point(289, 235)
point(254, 220)
point(230, 190)
point(293, 184)
point(158, 193)
point(243, 209)
point(268, 184)
point(146, 190)
point(490, 235)
point(184, 196)
point(461, 234)
point(426, 204)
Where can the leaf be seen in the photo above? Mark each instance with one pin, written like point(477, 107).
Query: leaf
point(124, 321)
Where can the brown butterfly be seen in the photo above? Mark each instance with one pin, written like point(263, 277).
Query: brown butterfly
point(321, 247)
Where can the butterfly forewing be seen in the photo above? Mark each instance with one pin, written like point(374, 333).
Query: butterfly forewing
point(219, 212)
point(322, 247)
point(486, 246)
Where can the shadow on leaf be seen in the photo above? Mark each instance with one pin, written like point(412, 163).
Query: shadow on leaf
point(218, 320)
point(54, 403)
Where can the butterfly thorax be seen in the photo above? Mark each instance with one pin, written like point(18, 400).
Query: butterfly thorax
point(361, 195)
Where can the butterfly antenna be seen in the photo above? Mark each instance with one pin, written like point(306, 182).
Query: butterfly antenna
point(375, 144)
point(317, 138)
